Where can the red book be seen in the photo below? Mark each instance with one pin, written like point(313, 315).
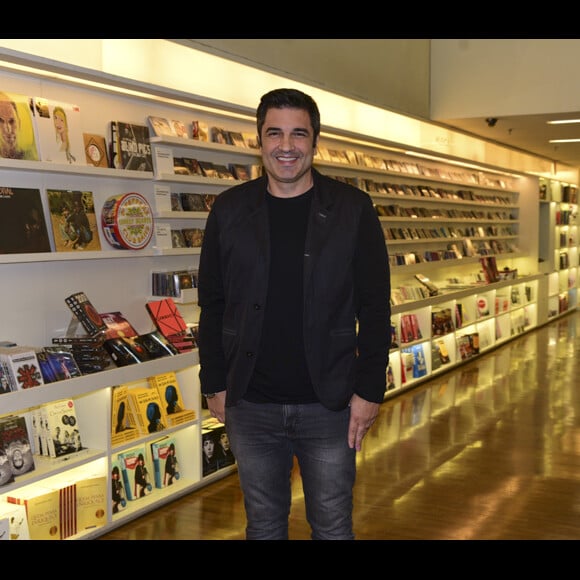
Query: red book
point(166, 317)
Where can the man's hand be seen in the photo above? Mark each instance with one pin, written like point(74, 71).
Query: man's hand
point(217, 406)
point(362, 415)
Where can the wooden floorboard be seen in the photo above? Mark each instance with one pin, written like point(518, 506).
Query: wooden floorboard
point(487, 451)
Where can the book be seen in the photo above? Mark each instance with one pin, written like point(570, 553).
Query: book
point(58, 131)
point(15, 514)
point(86, 313)
point(223, 453)
point(6, 473)
point(20, 143)
point(22, 366)
point(62, 423)
point(91, 503)
point(62, 362)
point(42, 511)
point(118, 495)
point(166, 317)
point(208, 169)
point(73, 220)
point(160, 126)
point(95, 150)
point(146, 411)
point(199, 130)
point(209, 462)
point(179, 129)
point(23, 228)
point(125, 351)
point(193, 237)
point(121, 431)
point(117, 325)
point(133, 149)
point(167, 385)
point(155, 344)
point(432, 288)
point(165, 462)
point(136, 471)
point(17, 441)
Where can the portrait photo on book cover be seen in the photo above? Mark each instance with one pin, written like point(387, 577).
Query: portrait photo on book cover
point(17, 135)
point(73, 220)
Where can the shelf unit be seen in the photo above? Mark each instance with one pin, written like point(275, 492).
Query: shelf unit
point(559, 244)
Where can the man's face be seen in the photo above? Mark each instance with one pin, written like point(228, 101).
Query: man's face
point(8, 124)
point(287, 144)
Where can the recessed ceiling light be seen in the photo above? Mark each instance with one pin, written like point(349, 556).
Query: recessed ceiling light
point(563, 122)
point(564, 141)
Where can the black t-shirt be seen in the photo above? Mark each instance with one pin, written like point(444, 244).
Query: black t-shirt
point(281, 374)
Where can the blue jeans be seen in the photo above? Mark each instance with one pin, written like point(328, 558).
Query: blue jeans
point(265, 438)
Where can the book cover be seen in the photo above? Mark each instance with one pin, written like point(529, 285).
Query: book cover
point(169, 391)
point(208, 169)
point(17, 443)
point(167, 386)
point(42, 511)
point(6, 473)
point(121, 430)
point(73, 220)
point(179, 128)
point(208, 458)
point(166, 317)
point(117, 325)
point(91, 503)
point(155, 344)
point(147, 413)
point(125, 351)
point(193, 237)
point(118, 495)
point(165, 462)
point(86, 313)
point(62, 362)
point(95, 150)
point(160, 126)
point(23, 367)
point(137, 472)
point(58, 131)
point(199, 130)
point(63, 426)
point(18, 141)
point(133, 147)
point(23, 228)
point(17, 522)
point(193, 201)
point(223, 453)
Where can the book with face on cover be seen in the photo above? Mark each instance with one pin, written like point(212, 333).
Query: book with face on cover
point(15, 111)
point(73, 220)
point(58, 131)
point(17, 442)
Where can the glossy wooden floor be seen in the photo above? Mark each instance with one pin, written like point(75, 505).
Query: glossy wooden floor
point(490, 450)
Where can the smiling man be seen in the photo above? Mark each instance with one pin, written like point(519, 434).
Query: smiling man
point(294, 331)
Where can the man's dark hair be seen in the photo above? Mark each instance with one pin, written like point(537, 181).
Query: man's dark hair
point(288, 99)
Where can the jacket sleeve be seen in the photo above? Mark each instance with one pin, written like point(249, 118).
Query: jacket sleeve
point(212, 303)
point(373, 292)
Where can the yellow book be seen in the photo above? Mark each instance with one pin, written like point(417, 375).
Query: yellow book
point(147, 414)
point(167, 386)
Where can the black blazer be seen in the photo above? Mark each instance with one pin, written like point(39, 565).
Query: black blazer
point(347, 311)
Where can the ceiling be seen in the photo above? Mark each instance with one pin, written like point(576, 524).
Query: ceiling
point(529, 133)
